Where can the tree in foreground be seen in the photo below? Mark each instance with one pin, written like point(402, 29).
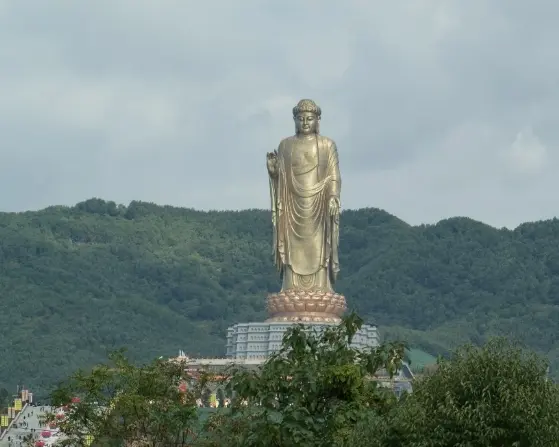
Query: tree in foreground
point(317, 391)
point(313, 392)
point(120, 404)
point(495, 395)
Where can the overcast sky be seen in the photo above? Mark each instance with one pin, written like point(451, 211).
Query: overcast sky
point(439, 107)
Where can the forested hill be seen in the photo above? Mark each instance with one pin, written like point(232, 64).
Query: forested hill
point(78, 282)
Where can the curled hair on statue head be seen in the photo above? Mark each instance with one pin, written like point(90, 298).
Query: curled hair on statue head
point(307, 105)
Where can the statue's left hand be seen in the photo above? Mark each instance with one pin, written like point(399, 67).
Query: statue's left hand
point(334, 206)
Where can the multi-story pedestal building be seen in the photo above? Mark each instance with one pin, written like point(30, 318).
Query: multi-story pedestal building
point(258, 340)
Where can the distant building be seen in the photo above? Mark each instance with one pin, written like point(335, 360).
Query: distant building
point(401, 382)
point(257, 341)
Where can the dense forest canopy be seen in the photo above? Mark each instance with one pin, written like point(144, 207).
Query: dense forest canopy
point(76, 282)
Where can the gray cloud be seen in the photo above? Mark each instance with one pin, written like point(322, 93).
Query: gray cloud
point(439, 107)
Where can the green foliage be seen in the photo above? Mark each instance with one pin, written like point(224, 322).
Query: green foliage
point(76, 283)
point(311, 393)
point(317, 391)
point(120, 403)
point(495, 395)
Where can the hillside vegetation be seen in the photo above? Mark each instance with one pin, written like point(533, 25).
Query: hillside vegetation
point(78, 282)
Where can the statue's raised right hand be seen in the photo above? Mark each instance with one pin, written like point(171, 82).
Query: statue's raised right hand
point(272, 162)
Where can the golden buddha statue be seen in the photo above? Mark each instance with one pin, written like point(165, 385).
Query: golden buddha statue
point(305, 189)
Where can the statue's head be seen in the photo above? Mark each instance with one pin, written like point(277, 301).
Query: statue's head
point(307, 117)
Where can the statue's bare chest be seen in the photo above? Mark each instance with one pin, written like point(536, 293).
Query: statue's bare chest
point(304, 156)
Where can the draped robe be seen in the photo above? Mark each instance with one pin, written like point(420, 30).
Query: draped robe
point(306, 236)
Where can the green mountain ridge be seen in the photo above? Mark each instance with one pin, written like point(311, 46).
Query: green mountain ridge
point(76, 282)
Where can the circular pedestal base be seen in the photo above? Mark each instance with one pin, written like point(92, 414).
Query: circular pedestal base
point(306, 306)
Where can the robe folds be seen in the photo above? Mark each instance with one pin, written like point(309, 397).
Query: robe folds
point(306, 236)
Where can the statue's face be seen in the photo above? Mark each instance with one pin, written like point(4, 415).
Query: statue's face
point(306, 123)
